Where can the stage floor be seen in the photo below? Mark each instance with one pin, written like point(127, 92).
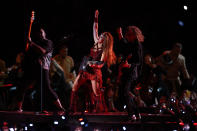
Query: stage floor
point(109, 121)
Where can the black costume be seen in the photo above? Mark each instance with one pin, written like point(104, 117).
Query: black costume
point(36, 71)
point(130, 76)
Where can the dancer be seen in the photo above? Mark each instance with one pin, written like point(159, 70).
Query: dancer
point(130, 48)
point(101, 53)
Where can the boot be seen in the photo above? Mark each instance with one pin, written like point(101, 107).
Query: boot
point(73, 102)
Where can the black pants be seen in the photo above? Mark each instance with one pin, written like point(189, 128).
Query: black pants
point(128, 84)
point(62, 88)
point(38, 77)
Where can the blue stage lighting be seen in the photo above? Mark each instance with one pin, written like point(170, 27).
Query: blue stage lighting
point(180, 23)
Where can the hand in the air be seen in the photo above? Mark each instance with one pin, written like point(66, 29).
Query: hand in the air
point(96, 13)
point(119, 30)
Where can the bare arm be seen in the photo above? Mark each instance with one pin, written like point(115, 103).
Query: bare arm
point(184, 70)
point(119, 31)
point(95, 27)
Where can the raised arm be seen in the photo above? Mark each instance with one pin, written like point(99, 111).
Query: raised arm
point(119, 31)
point(95, 27)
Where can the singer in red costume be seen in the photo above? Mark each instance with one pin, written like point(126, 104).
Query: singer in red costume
point(101, 53)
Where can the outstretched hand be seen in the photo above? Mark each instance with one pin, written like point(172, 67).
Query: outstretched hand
point(29, 40)
point(96, 13)
point(119, 30)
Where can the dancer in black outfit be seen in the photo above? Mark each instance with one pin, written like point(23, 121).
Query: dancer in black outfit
point(130, 48)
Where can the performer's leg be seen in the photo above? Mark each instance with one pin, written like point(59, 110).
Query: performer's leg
point(17, 102)
point(98, 96)
point(131, 104)
point(73, 100)
point(110, 98)
point(48, 92)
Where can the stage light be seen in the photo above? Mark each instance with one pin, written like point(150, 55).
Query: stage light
point(80, 119)
point(195, 124)
point(150, 90)
point(86, 125)
point(5, 123)
point(186, 127)
point(26, 128)
point(55, 122)
point(13, 88)
point(185, 7)
point(159, 89)
point(125, 106)
point(181, 123)
point(31, 124)
point(180, 23)
point(82, 123)
point(124, 128)
point(63, 117)
point(173, 100)
point(11, 129)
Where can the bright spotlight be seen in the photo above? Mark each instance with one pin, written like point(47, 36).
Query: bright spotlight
point(150, 90)
point(82, 123)
point(125, 106)
point(25, 128)
point(31, 124)
point(185, 7)
point(186, 127)
point(63, 117)
point(55, 122)
point(11, 129)
point(124, 128)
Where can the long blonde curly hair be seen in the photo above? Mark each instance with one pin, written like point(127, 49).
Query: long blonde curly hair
point(137, 32)
point(109, 55)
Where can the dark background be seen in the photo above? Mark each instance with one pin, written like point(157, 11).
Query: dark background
point(158, 21)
